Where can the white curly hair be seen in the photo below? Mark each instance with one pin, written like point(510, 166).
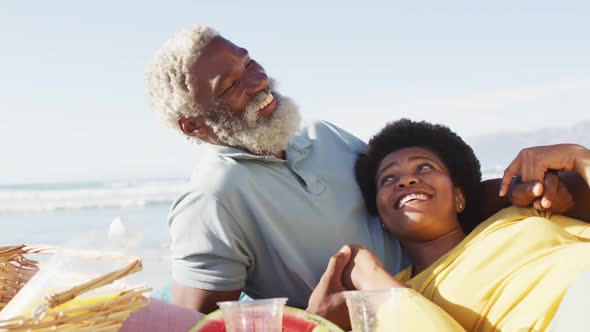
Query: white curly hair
point(172, 95)
point(168, 77)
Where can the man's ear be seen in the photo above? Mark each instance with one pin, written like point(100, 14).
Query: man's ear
point(459, 199)
point(194, 126)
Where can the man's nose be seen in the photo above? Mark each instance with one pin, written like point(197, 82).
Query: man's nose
point(407, 181)
point(257, 81)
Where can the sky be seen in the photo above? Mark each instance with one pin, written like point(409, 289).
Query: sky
point(72, 103)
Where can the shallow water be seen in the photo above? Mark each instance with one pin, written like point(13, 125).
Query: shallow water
point(61, 227)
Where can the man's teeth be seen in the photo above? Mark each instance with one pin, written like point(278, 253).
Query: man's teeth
point(267, 100)
point(410, 197)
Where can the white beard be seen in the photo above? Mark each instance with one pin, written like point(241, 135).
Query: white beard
point(254, 133)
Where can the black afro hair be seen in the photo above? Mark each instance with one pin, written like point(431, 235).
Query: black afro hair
point(459, 158)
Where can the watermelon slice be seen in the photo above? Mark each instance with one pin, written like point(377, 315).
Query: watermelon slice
point(294, 320)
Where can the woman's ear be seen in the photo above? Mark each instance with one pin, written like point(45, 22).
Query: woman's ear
point(459, 199)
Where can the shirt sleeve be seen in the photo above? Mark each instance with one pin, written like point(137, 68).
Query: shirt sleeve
point(353, 142)
point(208, 246)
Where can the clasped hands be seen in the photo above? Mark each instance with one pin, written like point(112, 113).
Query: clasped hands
point(353, 268)
point(532, 178)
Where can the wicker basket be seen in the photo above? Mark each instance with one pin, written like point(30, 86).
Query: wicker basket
point(16, 270)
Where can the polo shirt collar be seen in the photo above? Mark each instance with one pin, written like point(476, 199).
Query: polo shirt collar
point(299, 143)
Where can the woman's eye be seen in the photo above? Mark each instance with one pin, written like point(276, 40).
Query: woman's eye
point(424, 167)
point(250, 64)
point(387, 179)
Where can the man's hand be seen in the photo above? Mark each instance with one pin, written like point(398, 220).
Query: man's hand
point(327, 299)
point(532, 163)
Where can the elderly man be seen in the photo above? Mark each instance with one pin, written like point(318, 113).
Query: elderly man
point(268, 202)
point(267, 205)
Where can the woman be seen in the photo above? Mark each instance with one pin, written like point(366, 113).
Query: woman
point(509, 273)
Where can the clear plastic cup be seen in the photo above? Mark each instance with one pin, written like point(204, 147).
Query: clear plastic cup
point(253, 316)
point(374, 310)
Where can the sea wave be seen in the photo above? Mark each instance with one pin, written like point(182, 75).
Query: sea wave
point(111, 194)
point(494, 172)
point(59, 196)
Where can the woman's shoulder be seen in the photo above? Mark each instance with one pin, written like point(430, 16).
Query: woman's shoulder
point(511, 214)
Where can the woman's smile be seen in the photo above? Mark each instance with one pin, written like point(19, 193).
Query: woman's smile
point(411, 199)
point(414, 192)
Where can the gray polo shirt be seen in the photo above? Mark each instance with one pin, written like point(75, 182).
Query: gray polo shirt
point(269, 226)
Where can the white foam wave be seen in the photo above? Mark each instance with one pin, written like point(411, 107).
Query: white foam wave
point(33, 198)
point(494, 172)
point(120, 194)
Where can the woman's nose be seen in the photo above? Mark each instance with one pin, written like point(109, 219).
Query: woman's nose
point(407, 181)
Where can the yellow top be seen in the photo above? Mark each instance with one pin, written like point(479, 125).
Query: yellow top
point(510, 273)
point(406, 310)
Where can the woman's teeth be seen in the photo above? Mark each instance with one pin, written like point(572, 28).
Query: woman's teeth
point(410, 197)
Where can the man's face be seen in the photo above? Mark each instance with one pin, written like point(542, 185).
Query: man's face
point(227, 78)
point(240, 103)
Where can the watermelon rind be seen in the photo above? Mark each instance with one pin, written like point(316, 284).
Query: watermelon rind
point(323, 325)
point(215, 315)
point(321, 321)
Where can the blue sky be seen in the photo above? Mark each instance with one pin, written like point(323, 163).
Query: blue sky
point(72, 103)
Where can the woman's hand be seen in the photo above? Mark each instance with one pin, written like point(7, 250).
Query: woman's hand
point(327, 299)
point(551, 193)
point(533, 164)
point(365, 271)
point(353, 267)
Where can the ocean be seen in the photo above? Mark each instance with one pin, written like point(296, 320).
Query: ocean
point(60, 213)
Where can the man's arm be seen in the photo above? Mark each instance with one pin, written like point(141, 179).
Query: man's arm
point(491, 201)
point(209, 258)
point(202, 300)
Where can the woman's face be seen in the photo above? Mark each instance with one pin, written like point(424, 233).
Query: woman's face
point(416, 197)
